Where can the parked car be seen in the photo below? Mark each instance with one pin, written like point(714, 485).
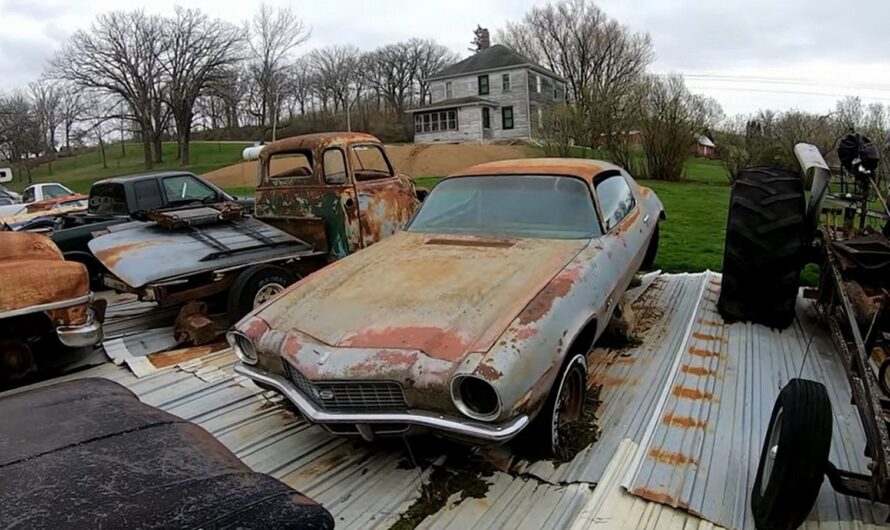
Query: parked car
point(43, 299)
point(319, 198)
point(119, 463)
point(8, 197)
point(35, 193)
point(475, 321)
point(42, 215)
point(112, 201)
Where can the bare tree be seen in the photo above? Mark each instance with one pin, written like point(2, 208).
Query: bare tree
point(336, 71)
point(72, 106)
point(274, 35)
point(576, 39)
point(198, 52)
point(671, 118)
point(392, 71)
point(46, 98)
point(429, 58)
point(121, 55)
point(20, 132)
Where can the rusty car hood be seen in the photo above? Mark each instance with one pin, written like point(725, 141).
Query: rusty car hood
point(444, 295)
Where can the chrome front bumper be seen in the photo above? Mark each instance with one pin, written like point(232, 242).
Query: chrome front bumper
point(470, 429)
point(87, 334)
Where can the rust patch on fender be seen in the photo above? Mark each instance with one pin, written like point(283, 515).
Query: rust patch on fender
point(685, 422)
point(671, 458)
point(681, 391)
point(526, 333)
point(541, 304)
point(489, 372)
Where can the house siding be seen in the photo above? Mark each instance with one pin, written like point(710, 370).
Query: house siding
point(521, 97)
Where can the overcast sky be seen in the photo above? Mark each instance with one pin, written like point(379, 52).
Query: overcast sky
point(750, 54)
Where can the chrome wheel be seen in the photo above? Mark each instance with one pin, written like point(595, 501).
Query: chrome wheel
point(772, 450)
point(266, 293)
point(569, 402)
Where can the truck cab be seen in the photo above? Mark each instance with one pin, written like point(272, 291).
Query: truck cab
point(337, 190)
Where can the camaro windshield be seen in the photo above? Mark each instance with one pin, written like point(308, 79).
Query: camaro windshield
point(538, 206)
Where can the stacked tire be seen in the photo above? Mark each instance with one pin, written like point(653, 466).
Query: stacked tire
point(763, 253)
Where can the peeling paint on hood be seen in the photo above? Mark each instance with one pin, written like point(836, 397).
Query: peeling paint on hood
point(442, 294)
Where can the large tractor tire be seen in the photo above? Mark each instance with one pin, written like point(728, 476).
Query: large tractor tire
point(763, 254)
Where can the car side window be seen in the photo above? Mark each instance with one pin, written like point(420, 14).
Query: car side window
point(54, 190)
point(186, 188)
point(148, 195)
point(334, 166)
point(616, 199)
point(28, 195)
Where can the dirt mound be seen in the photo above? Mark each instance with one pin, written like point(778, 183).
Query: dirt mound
point(437, 160)
point(414, 160)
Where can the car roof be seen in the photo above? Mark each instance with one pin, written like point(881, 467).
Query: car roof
point(313, 141)
point(142, 176)
point(584, 168)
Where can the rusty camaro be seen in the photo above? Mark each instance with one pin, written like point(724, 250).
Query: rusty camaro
point(474, 322)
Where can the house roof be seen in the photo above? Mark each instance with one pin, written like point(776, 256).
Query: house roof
point(493, 58)
point(705, 141)
point(468, 101)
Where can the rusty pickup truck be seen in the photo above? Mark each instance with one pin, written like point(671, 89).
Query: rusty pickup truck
point(43, 299)
point(319, 197)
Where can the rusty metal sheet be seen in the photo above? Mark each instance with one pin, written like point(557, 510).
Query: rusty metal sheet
point(141, 253)
point(34, 273)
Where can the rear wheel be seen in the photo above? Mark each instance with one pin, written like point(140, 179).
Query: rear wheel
point(256, 286)
point(765, 239)
point(794, 456)
point(16, 359)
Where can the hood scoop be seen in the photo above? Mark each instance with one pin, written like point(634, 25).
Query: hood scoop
point(490, 243)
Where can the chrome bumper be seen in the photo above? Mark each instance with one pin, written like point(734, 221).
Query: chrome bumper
point(496, 433)
point(86, 334)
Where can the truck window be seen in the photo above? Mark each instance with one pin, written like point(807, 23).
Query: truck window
point(108, 199)
point(51, 191)
point(187, 188)
point(334, 166)
point(28, 194)
point(371, 162)
point(292, 166)
point(148, 195)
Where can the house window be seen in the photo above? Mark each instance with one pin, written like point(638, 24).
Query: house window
point(440, 120)
point(507, 117)
point(486, 118)
point(449, 90)
point(483, 85)
point(505, 82)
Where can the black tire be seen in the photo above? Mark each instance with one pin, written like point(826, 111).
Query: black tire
point(651, 251)
point(765, 242)
point(244, 291)
point(802, 438)
point(542, 436)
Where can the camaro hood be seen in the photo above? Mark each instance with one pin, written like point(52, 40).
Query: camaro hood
point(445, 295)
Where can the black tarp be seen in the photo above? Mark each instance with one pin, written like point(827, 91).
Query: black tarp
point(89, 454)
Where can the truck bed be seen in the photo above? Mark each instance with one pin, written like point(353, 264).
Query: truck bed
point(144, 252)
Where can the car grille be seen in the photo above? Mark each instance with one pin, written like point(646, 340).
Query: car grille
point(349, 396)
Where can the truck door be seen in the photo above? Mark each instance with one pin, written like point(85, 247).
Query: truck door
point(386, 200)
point(311, 199)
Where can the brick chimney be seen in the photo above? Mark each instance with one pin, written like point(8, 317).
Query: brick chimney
point(484, 39)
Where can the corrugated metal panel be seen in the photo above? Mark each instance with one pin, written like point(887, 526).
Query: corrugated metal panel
point(515, 503)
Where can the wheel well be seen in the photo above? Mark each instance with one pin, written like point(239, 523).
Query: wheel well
point(583, 341)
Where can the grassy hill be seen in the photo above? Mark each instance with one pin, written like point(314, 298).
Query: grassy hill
point(80, 171)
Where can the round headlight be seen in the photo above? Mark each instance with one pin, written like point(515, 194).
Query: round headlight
point(475, 397)
point(243, 347)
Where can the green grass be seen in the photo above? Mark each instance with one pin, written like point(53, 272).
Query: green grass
point(80, 171)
